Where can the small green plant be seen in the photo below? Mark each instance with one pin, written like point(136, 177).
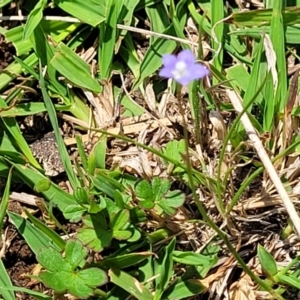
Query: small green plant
point(288, 276)
point(65, 272)
point(161, 267)
point(174, 149)
point(97, 234)
point(158, 196)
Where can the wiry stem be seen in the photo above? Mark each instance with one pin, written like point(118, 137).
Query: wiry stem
point(202, 210)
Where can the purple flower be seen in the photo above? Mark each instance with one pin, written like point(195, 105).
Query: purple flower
point(182, 68)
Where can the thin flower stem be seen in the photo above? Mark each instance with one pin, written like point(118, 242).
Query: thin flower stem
point(201, 208)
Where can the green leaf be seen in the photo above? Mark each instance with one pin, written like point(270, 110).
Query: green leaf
point(184, 290)
point(290, 280)
point(124, 261)
point(164, 268)
point(11, 126)
point(107, 37)
point(128, 53)
point(192, 258)
point(267, 261)
point(56, 281)
point(5, 284)
point(54, 194)
point(122, 234)
point(34, 237)
point(81, 196)
point(74, 253)
point(52, 260)
point(15, 36)
point(93, 276)
point(144, 190)
point(60, 142)
point(291, 33)
point(217, 15)
point(160, 187)
point(2, 4)
point(79, 288)
point(161, 208)
point(147, 204)
point(28, 109)
point(90, 239)
point(75, 69)
point(129, 284)
point(99, 150)
point(174, 149)
point(152, 60)
point(63, 273)
point(88, 11)
point(42, 185)
point(74, 212)
point(37, 295)
point(106, 183)
point(174, 199)
point(120, 220)
point(94, 233)
point(46, 230)
point(34, 18)
point(5, 200)
point(290, 16)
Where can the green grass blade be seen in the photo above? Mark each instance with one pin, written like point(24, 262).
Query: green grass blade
point(77, 71)
point(13, 130)
point(159, 18)
point(107, 37)
point(254, 77)
point(88, 11)
point(291, 33)
point(184, 289)
point(278, 41)
point(28, 109)
point(15, 36)
point(34, 237)
point(5, 284)
point(163, 266)
point(32, 178)
point(15, 69)
point(4, 2)
point(263, 17)
point(52, 235)
point(129, 284)
point(61, 146)
point(34, 18)
point(128, 54)
point(36, 295)
point(4, 201)
point(152, 60)
point(217, 14)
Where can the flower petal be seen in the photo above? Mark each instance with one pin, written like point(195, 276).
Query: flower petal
point(198, 71)
point(184, 80)
point(166, 72)
point(169, 60)
point(186, 56)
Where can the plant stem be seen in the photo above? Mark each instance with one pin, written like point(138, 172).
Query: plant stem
point(205, 216)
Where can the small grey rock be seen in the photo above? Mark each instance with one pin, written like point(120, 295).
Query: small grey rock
point(45, 150)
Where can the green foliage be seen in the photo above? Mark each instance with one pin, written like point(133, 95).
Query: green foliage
point(65, 273)
point(116, 210)
point(34, 237)
point(278, 276)
point(97, 234)
point(5, 284)
point(158, 196)
point(174, 149)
